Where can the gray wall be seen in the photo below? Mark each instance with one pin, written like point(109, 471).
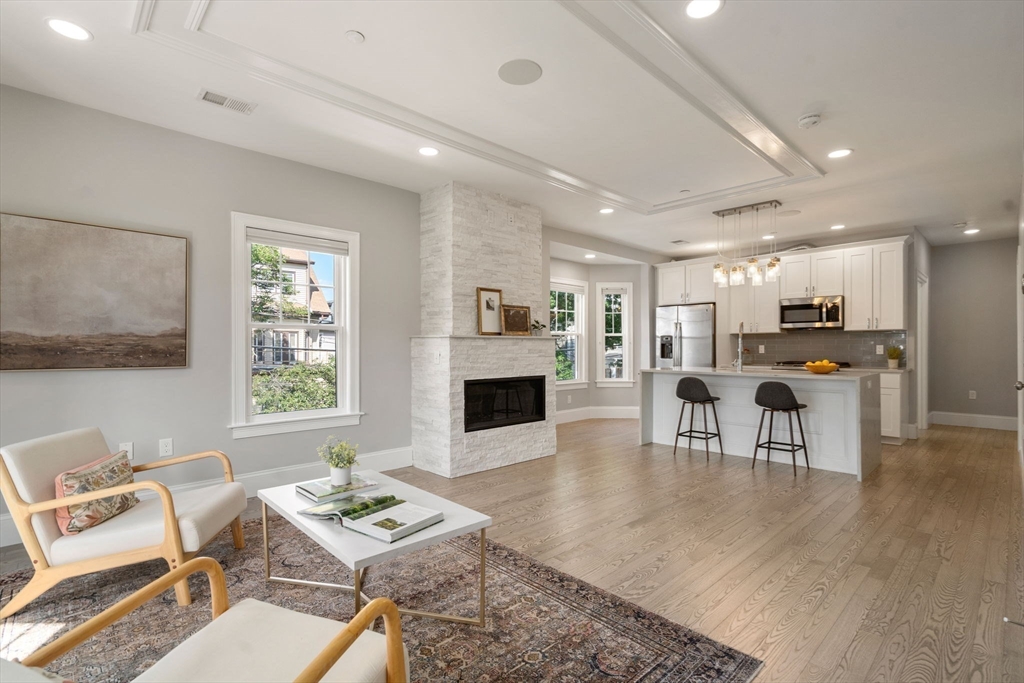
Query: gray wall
point(972, 328)
point(593, 395)
point(63, 161)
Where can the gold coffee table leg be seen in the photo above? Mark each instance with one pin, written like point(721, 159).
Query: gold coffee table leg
point(481, 620)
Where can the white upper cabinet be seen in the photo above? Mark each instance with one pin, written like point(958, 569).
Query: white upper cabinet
point(827, 273)
point(818, 274)
point(795, 278)
point(741, 307)
point(874, 288)
point(671, 285)
point(756, 307)
point(858, 289)
point(700, 283)
point(686, 284)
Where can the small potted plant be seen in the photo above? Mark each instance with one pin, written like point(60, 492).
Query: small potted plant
point(339, 456)
point(536, 326)
point(894, 353)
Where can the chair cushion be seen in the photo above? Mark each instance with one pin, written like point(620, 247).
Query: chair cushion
point(256, 641)
point(34, 464)
point(12, 672)
point(108, 471)
point(201, 513)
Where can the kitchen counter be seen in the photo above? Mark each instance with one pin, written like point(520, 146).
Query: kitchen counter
point(842, 421)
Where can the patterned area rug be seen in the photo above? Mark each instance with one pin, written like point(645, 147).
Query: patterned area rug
point(542, 625)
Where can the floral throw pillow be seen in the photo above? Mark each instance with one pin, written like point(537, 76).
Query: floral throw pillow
point(108, 471)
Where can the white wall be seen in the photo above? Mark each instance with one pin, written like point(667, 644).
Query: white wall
point(63, 161)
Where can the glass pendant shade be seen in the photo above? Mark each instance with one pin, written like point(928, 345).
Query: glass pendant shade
point(757, 279)
point(736, 276)
point(751, 267)
point(771, 273)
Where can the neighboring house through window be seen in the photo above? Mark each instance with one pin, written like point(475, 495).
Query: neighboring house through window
point(295, 319)
point(568, 325)
point(614, 332)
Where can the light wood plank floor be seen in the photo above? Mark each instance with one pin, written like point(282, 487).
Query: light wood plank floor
point(905, 577)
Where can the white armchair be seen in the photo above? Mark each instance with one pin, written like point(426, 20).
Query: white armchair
point(252, 641)
point(172, 527)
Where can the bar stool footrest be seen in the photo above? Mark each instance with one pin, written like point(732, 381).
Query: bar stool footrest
point(780, 446)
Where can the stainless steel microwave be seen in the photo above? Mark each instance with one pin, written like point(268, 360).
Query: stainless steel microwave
point(818, 311)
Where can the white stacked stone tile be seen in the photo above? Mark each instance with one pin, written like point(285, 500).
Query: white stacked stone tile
point(470, 238)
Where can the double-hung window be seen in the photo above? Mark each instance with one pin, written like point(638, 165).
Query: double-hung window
point(295, 326)
point(568, 326)
point(614, 337)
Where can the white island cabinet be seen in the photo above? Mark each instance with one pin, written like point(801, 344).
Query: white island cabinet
point(842, 421)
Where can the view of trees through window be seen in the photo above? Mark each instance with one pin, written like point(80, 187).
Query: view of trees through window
point(294, 336)
point(565, 307)
point(613, 336)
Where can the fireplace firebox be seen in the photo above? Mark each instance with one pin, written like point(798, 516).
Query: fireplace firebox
point(492, 403)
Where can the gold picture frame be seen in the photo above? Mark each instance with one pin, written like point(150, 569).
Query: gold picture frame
point(488, 311)
point(515, 321)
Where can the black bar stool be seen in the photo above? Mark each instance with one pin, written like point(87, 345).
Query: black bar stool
point(776, 397)
point(694, 392)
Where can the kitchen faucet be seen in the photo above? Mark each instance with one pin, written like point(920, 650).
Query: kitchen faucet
point(739, 358)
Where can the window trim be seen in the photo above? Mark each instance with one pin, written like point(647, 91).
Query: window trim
point(581, 325)
point(627, 334)
point(347, 349)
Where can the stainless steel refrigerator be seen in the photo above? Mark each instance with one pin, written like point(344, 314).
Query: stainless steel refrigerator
point(685, 336)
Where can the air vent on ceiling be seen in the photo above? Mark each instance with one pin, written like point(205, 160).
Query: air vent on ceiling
point(803, 246)
point(680, 241)
point(232, 103)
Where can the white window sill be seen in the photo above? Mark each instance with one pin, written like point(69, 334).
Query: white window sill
point(614, 383)
point(565, 385)
point(301, 424)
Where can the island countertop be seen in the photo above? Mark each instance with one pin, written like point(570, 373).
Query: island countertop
point(768, 372)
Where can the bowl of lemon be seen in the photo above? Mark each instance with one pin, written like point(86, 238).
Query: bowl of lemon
point(821, 367)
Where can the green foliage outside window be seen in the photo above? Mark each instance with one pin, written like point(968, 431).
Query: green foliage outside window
point(303, 386)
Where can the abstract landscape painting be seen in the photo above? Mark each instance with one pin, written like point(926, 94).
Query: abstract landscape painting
point(85, 296)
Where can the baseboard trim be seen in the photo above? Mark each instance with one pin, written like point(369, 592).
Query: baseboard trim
point(597, 412)
point(1005, 423)
point(380, 461)
point(910, 431)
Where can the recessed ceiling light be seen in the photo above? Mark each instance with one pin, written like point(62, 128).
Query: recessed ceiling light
point(971, 231)
point(840, 153)
point(428, 151)
point(698, 9)
point(69, 30)
point(788, 212)
point(838, 227)
point(607, 210)
point(768, 237)
point(520, 72)
point(355, 36)
point(590, 256)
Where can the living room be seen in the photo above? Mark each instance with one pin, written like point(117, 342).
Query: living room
point(313, 223)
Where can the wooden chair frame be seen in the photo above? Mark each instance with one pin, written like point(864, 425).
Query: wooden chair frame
point(46, 576)
point(314, 671)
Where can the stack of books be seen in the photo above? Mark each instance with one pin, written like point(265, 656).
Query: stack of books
point(385, 518)
point(321, 491)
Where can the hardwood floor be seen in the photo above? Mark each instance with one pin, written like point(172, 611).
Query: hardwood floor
point(905, 577)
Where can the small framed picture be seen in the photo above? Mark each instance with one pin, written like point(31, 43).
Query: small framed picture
point(515, 320)
point(488, 306)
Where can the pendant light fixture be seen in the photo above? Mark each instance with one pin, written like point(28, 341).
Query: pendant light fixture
point(721, 274)
point(735, 270)
point(737, 276)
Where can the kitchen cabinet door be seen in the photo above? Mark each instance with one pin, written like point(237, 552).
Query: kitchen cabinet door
point(890, 412)
point(766, 308)
point(858, 289)
point(795, 279)
point(889, 287)
point(671, 285)
point(827, 273)
point(700, 283)
point(741, 308)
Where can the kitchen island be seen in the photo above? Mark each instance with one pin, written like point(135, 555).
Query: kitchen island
point(842, 421)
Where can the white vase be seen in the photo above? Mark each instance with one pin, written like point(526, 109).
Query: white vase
point(341, 476)
point(894, 363)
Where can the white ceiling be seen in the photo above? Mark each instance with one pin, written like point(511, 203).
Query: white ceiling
point(636, 103)
point(569, 252)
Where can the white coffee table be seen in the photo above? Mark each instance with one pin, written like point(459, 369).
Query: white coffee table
point(359, 552)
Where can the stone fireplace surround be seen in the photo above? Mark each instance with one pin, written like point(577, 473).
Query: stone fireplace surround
point(470, 238)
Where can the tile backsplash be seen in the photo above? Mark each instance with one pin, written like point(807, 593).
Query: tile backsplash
point(856, 348)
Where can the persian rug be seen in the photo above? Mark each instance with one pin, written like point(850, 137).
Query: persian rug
point(542, 625)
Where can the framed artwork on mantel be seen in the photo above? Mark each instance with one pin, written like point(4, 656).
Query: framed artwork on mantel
point(488, 306)
point(78, 296)
point(515, 321)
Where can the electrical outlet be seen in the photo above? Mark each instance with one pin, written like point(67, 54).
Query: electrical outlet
point(879, 349)
point(128, 447)
point(166, 448)
point(760, 348)
point(972, 394)
point(568, 398)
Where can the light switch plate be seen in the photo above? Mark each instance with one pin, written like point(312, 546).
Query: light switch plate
point(760, 348)
point(972, 394)
point(879, 349)
point(128, 447)
point(166, 448)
